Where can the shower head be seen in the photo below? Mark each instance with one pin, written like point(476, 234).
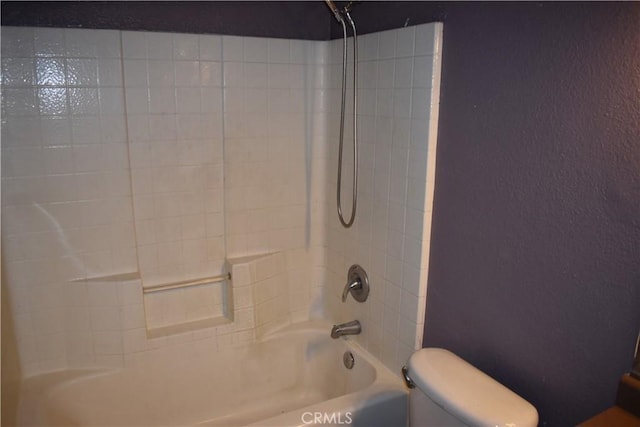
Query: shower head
point(334, 10)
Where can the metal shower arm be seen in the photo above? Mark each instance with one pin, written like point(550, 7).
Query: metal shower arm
point(335, 11)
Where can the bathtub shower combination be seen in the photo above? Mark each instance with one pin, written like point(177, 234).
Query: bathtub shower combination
point(172, 254)
point(284, 380)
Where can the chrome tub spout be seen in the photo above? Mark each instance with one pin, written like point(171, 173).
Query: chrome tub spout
point(349, 328)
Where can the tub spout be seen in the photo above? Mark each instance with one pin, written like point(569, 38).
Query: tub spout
point(349, 328)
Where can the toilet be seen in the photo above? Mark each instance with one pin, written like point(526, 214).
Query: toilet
point(447, 391)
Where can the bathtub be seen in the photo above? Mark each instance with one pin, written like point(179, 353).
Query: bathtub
point(295, 377)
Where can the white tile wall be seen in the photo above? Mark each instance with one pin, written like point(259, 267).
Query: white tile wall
point(174, 110)
point(270, 293)
point(399, 93)
point(274, 159)
point(66, 204)
point(88, 193)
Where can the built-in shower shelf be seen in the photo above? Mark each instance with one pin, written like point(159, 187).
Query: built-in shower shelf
point(188, 327)
point(186, 284)
point(115, 278)
point(178, 307)
point(251, 300)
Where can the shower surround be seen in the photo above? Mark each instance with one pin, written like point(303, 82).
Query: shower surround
point(399, 95)
point(133, 159)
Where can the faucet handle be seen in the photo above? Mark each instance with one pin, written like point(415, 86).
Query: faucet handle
point(357, 284)
point(350, 287)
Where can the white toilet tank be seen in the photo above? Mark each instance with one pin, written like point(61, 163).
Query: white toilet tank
point(451, 392)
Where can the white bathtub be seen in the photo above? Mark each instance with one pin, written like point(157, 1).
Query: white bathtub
point(294, 378)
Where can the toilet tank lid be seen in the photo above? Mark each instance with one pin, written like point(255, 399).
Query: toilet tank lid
point(466, 392)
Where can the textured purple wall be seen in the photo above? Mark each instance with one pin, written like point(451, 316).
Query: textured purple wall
point(535, 253)
point(285, 19)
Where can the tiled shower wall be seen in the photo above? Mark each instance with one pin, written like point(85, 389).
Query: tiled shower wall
point(67, 212)
point(112, 166)
point(399, 83)
point(274, 155)
point(91, 191)
point(173, 89)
